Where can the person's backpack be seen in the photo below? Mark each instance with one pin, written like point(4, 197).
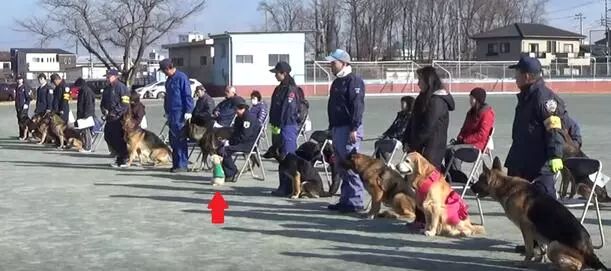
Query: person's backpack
point(304, 106)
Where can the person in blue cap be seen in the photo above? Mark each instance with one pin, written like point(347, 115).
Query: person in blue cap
point(114, 104)
point(178, 105)
point(345, 111)
point(536, 151)
point(61, 97)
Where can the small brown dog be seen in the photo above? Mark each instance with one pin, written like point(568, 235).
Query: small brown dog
point(385, 185)
point(444, 211)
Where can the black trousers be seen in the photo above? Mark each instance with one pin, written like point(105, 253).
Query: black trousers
point(21, 114)
point(227, 152)
point(114, 136)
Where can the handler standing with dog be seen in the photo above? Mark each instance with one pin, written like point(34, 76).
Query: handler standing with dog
point(22, 104)
point(61, 97)
point(178, 105)
point(536, 150)
point(114, 104)
point(345, 111)
point(44, 96)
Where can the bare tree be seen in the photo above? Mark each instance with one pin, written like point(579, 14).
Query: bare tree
point(286, 15)
point(101, 26)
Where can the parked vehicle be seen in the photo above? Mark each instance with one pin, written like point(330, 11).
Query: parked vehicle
point(157, 90)
point(7, 91)
point(97, 85)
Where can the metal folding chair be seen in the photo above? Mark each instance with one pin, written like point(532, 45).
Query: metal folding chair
point(163, 135)
point(264, 135)
point(318, 137)
point(253, 151)
point(98, 136)
point(490, 146)
point(473, 155)
point(397, 146)
point(302, 130)
point(593, 168)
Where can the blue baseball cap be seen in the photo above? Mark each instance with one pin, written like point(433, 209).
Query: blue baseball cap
point(339, 55)
point(112, 72)
point(528, 65)
point(165, 64)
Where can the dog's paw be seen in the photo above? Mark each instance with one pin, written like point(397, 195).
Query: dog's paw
point(368, 216)
point(294, 196)
point(429, 233)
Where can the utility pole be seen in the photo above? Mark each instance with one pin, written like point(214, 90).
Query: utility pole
point(607, 33)
point(579, 16)
point(459, 37)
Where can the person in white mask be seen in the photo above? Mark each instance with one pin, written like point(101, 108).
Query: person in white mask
point(258, 106)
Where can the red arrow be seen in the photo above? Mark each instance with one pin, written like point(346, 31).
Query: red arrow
point(218, 206)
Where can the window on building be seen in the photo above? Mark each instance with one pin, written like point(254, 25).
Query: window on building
point(6, 66)
point(551, 46)
point(568, 48)
point(203, 60)
point(493, 49)
point(505, 47)
point(275, 58)
point(533, 47)
point(244, 59)
point(178, 61)
point(213, 58)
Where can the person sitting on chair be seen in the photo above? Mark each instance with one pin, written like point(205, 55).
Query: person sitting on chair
point(475, 131)
point(258, 108)
point(245, 131)
point(395, 132)
point(224, 113)
point(203, 107)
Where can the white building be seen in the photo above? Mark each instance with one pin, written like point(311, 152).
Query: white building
point(245, 58)
point(191, 37)
point(30, 62)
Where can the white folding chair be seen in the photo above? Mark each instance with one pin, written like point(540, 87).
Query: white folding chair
point(467, 154)
point(592, 168)
point(302, 130)
point(397, 146)
point(264, 135)
point(98, 136)
point(324, 163)
point(490, 146)
point(254, 150)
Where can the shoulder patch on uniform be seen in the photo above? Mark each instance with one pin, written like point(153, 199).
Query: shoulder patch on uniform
point(246, 124)
point(551, 105)
point(291, 97)
point(357, 90)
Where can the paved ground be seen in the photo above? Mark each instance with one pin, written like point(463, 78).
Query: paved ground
point(67, 211)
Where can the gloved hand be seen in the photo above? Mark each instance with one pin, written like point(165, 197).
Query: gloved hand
point(453, 141)
point(188, 116)
point(275, 130)
point(25, 106)
point(556, 165)
point(226, 142)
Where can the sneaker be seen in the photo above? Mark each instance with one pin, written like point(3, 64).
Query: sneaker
point(84, 151)
point(117, 165)
point(231, 179)
point(179, 170)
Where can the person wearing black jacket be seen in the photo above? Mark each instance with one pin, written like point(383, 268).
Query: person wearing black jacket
point(428, 130)
point(394, 134)
point(224, 112)
point(61, 97)
point(204, 107)
point(284, 110)
point(85, 108)
point(44, 96)
point(22, 104)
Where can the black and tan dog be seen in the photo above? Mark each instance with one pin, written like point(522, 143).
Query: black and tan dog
point(541, 219)
point(385, 185)
point(311, 151)
point(144, 144)
point(306, 181)
point(208, 139)
point(51, 126)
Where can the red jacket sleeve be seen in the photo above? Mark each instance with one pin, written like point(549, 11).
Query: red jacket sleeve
point(480, 137)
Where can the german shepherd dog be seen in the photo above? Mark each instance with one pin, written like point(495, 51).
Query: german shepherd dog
point(208, 138)
point(305, 179)
point(52, 125)
point(444, 210)
point(311, 151)
point(385, 185)
point(144, 144)
point(579, 183)
point(540, 218)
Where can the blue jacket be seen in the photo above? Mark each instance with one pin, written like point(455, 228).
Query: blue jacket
point(115, 101)
point(61, 97)
point(178, 99)
point(573, 128)
point(245, 130)
point(346, 102)
point(284, 109)
point(44, 99)
point(226, 111)
point(22, 97)
point(259, 111)
point(533, 145)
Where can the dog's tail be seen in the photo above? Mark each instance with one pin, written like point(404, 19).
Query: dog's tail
point(593, 261)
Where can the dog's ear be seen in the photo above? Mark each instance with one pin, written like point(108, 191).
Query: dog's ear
point(497, 163)
point(485, 169)
point(353, 151)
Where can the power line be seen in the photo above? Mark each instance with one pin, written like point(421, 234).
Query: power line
point(573, 7)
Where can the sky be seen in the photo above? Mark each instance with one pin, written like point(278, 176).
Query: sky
point(242, 15)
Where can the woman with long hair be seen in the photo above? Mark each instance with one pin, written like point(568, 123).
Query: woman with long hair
point(428, 132)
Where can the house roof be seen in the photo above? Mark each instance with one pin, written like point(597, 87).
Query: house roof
point(259, 33)
point(5, 56)
point(186, 44)
point(42, 51)
point(526, 31)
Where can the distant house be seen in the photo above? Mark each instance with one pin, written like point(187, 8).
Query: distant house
point(196, 58)
point(6, 73)
point(29, 62)
point(537, 40)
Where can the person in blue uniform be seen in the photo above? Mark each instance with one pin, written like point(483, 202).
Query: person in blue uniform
point(178, 107)
point(224, 112)
point(44, 96)
point(61, 97)
point(246, 128)
point(114, 104)
point(536, 151)
point(22, 103)
point(345, 111)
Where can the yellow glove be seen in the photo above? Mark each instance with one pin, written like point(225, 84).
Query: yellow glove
point(275, 130)
point(556, 165)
